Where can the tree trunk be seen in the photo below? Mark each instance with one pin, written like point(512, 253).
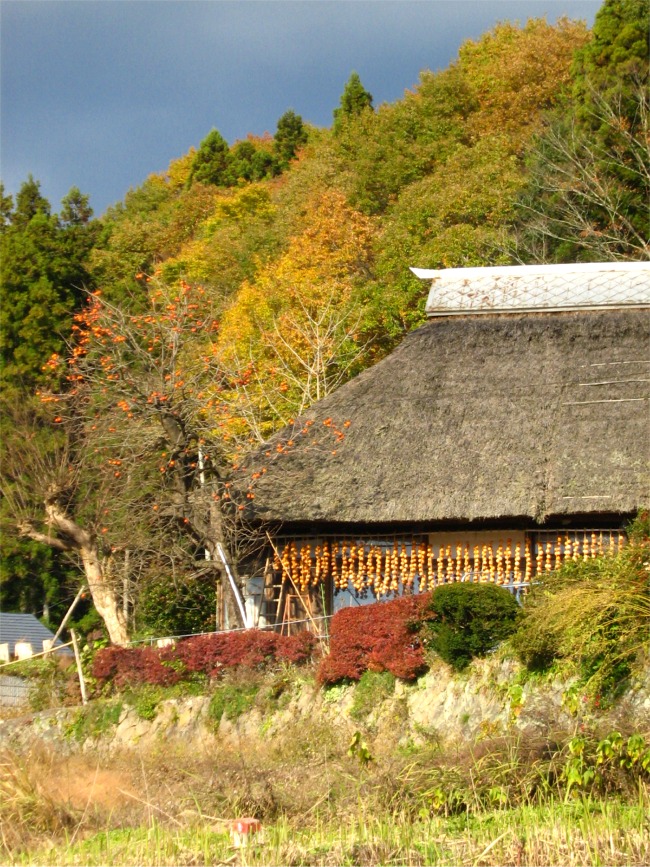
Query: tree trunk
point(104, 596)
point(74, 538)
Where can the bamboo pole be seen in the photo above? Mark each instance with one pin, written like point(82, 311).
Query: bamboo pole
point(302, 601)
point(77, 659)
point(69, 612)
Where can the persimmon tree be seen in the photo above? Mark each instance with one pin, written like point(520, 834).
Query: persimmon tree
point(139, 465)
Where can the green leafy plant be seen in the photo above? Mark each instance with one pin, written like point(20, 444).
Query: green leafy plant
point(232, 700)
point(595, 615)
point(358, 749)
point(94, 720)
point(613, 764)
point(469, 620)
point(145, 701)
point(372, 689)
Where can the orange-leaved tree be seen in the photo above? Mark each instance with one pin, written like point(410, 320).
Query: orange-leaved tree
point(138, 463)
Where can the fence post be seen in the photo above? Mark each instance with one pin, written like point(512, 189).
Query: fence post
point(77, 657)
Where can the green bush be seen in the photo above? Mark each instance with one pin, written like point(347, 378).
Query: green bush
point(145, 700)
point(594, 614)
point(167, 607)
point(469, 620)
point(94, 720)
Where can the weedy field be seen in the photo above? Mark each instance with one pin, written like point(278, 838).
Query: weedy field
point(325, 802)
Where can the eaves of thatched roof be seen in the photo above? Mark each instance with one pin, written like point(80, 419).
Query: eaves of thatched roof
point(474, 419)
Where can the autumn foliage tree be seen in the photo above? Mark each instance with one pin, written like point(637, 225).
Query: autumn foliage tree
point(292, 335)
point(139, 464)
point(302, 243)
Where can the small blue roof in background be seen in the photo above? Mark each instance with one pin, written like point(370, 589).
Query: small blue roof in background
point(25, 627)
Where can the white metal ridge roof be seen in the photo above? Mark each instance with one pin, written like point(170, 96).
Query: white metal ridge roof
point(520, 288)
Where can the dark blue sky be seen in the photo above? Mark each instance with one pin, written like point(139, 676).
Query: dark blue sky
point(100, 93)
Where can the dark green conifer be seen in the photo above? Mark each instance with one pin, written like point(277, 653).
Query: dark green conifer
point(354, 100)
point(289, 136)
point(211, 160)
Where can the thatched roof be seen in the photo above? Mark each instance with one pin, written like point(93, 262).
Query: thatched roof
point(478, 418)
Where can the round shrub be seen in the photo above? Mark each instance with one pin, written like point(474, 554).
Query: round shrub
point(379, 637)
point(469, 620)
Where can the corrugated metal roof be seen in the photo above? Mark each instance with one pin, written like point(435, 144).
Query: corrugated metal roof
point(25, 627)
point(520, 288)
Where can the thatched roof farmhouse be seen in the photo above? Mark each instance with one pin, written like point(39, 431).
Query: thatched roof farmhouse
point(514, 420)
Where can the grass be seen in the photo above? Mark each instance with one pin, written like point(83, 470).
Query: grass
point(373, 688)
point(94, 719)
point(593, 615)
point(232, 700)
point(584, 833)
point(505, 801)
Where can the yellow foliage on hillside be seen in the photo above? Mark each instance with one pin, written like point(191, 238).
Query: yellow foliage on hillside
point(291, 334)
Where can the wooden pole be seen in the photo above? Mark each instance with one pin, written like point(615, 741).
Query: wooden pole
point(77, 657)
point(302, 602)
point(69, 612)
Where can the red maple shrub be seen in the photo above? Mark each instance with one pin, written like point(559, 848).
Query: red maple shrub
point(378, 637)
point(131, 666)
point(205, 654)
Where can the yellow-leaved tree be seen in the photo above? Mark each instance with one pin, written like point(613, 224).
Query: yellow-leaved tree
point(292, 335)
point(516, 73)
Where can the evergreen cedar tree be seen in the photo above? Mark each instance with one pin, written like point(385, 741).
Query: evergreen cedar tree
point(289, 137)
point(219, 165)
point(44, 278)
point(616, 59)
point(45, 272)
point(354, 100)
point(211, 160)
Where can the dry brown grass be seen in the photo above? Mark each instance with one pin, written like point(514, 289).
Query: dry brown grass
point(28, 812)
point(318, 805)
point(169, 804)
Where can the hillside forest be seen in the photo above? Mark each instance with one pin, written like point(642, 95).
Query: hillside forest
point(146, 352)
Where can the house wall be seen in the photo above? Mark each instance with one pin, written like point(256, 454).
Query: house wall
point(312, 576)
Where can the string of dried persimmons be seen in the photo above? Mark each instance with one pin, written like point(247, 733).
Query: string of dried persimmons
point(383, 569)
